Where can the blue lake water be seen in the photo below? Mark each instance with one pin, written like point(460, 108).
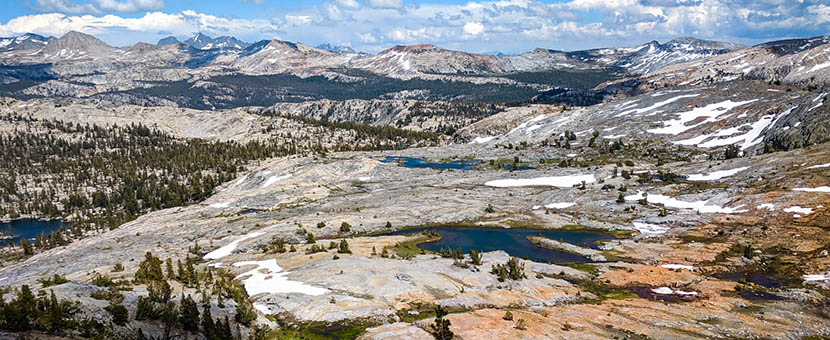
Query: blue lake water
point(413, 162)
point(29, 228)
point(513, 241)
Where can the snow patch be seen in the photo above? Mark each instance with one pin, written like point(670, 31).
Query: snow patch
point(818, 189)
point(482, 140)
point(677, 266)
point(221, 205)
point(561, 205)
point(816, 277)
point(554, 181)
point(748, 139)
point(230, 247)
point(649, 229)
point(710, 112)
point(669, 202)
point(274, 179)
point(799, 210)
point(656, 105)
point(715, 175)
point(268, 277)
point(239, 181)
point(669, 291)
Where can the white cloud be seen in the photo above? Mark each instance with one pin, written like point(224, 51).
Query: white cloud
point(473, 28)
point(297, 20)
point(350, 4)
point(130, 6)
point(367, 38)
point(122, 31)
point(385, 3)
point(62, 6)
point(821, 12)
point(476, 25)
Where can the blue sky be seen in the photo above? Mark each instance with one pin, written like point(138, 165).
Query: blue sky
point(475, 25)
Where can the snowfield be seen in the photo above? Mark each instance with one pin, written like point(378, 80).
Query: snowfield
point(711, 112)
point(735, 135)
point(554, 181)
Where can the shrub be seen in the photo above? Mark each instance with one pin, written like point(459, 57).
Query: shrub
point(344, 247)
point(119, 314)
point(118, 268)
point(511, 270)
point(489, 209)
point(54, 280)
point(475, 257)
point(147, 309)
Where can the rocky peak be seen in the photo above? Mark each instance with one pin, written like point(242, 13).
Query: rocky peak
point(336, 49)
point(75, 43)
point(28, 41)
point(168, 41)
point(199, 40)
point(694, 44)
point(792, 46)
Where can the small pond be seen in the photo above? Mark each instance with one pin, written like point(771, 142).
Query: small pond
point(29, 228)
point(758, 278)
point(511, 240)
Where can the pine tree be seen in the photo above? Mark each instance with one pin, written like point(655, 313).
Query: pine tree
point(149, 269)
point(27, 247)
point(171, 275)
point(441, 326)
point(208, 326)
point(189, 314)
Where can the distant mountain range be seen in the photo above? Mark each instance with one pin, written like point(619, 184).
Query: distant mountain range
point(79, 64)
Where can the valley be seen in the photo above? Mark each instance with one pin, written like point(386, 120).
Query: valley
point(628, 193)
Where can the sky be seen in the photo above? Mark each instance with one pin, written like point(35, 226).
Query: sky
point(508, 26)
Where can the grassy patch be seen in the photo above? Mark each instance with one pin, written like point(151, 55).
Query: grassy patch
point(423, 313)
point(321, 331)
point(585, 267)
point(522, 224)
point(409, 249)
point(603, 292)
point(698, 239)
point(618, 233)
